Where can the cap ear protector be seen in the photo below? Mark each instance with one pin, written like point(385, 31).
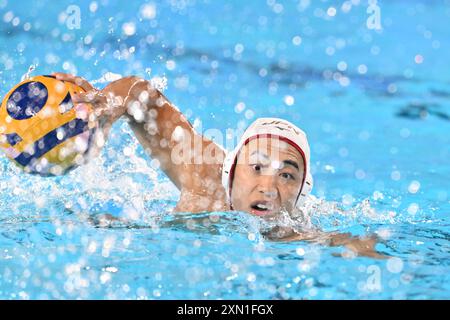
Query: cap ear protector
point(271, 127)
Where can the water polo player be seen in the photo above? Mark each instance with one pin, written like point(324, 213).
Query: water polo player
point(268, 172)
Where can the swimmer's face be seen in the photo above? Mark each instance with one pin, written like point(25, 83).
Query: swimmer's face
point(268, 177)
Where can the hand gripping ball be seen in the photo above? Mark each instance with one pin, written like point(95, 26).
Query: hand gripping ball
point(39, 128)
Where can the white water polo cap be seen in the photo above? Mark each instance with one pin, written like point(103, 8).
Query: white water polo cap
point(277, 128)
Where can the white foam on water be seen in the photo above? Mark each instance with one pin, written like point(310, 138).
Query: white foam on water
point(159, 83)
point(27, 75)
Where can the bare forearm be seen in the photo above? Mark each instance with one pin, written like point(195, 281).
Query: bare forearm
point(152, 115)
point(160, 128)
point(154, 120)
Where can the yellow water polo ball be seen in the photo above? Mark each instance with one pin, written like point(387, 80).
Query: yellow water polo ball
point(40, 130)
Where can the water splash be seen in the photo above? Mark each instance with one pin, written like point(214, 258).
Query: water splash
point(120, 183)
point(159, 83)
point(27, 75)
point(333, 214)
point(107, 77)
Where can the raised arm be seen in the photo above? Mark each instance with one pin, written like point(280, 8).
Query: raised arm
point(192, 162)
point(167, 135)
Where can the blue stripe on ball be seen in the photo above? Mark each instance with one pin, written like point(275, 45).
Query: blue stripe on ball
point(50, 141)
point(13, 138)
point(23, 103)
point(66, 104)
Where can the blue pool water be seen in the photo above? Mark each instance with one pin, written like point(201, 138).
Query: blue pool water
point(375, 106)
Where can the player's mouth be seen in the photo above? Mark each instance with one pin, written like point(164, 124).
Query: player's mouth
point(262, 208)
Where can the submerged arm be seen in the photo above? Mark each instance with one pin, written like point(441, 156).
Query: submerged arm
point(361, 246)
